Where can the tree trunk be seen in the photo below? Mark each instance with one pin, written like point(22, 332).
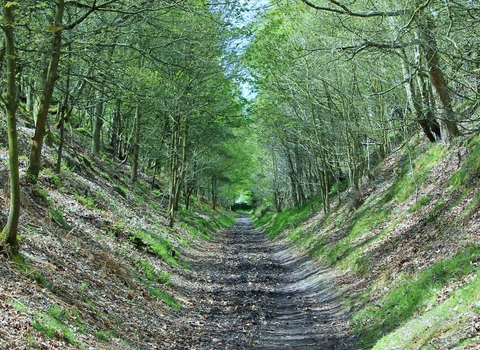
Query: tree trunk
point(41, 122)
point(276, 185)
point(174, 169)
point(97, 124)
point(9, 232)
point(449, 128)
point(115, 129)
point(136, 145)
point(214, 191)
point(415, 101)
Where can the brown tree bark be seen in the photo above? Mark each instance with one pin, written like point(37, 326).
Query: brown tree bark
point(41, 120)
point(429, 126)
point(449, 128)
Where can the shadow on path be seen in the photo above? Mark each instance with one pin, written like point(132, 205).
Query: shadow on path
point(256, 294)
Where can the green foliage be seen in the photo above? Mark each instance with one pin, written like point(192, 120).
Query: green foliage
point(347, 250)
point(409, 297)
point(200, 226)
point(164, 277)
point(170, 301)
point(226, 220)
point(442, 321)
point(52, 178)
point(53, 324)
point(40, 278)
point(104, 336)
point(89, 203)
point(121, 190)
point(470, 209)
point(147, 268)
point(338, 187)
point(149, 272)
point(471, 166)
point(58, 217)
point(158, 245)
point(420, 203)
point(42, 195)
point(415, 171)
point(434, 213)
point(17, 305)
point(290, 218)
point(51, 138)
point(58, 313)
point(33, 274)
point(296, 234)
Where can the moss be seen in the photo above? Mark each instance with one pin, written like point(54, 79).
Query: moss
point(420, 203)
point(170, 301)
point(53, 326)
point(410, 296)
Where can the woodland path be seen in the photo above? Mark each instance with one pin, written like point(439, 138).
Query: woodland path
point(251, 293)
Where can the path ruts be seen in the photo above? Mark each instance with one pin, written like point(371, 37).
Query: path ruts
point(254, 294)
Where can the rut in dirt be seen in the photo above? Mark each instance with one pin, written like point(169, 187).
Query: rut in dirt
point(256, 294)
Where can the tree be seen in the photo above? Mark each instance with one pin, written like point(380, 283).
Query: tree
point(41, 118)
point(9, 98)
point(421, 16)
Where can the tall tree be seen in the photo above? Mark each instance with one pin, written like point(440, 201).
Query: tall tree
point(41, 117)
point(9, 98)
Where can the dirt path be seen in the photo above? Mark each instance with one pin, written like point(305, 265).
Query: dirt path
point(254, 294)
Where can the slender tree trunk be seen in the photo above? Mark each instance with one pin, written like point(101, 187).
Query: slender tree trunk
point(9, 232)
point(97, 124)
point(174, 169)
point(136, 145)
point(276, 185)
point(41, 122)
point(61, 127)
point(115, 129)
point(64, 111)
point(214, 191)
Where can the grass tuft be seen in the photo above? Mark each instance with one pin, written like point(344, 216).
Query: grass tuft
point(170, 301)
point(409, 298)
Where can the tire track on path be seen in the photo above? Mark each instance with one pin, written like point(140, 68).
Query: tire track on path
point(256, 294)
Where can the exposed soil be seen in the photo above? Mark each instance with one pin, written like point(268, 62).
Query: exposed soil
point(256, 294)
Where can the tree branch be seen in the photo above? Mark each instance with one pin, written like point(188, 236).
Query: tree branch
point(344, 10)
point(92, 9)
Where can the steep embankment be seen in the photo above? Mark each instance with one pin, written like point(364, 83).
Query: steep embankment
point(97, 259)
point(407, 248)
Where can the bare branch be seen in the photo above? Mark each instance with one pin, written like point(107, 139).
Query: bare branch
point(344, 10)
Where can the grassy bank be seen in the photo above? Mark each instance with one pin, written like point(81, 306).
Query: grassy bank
point(410, 254)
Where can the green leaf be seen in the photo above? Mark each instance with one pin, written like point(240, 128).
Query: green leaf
point(11, 3)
